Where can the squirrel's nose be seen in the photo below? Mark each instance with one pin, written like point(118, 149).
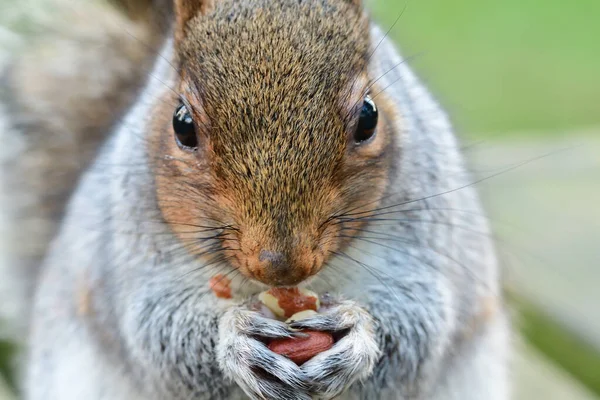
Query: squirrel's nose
point(279, 268)
point(276, 259)
point(286, 262)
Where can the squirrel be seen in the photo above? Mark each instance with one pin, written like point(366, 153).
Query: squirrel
point(277, 143)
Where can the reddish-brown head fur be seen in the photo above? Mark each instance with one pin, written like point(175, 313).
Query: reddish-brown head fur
point(274, 87)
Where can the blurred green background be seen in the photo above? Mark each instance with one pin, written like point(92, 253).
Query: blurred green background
point(520, 80)
point(502, 67)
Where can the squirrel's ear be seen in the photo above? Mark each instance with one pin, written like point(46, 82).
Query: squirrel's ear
point(185, 10)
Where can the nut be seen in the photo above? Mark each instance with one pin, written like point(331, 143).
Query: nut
point(302, 349)
point(299, 316)
point(285, 302)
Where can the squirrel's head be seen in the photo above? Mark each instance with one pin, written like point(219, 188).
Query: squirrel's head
point(273, 133)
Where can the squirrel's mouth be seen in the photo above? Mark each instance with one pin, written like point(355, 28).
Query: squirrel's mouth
point(284, 282)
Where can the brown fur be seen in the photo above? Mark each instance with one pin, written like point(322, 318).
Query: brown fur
point(185, 10)
point(84, 296)
point(489, 308)
point(275, 121)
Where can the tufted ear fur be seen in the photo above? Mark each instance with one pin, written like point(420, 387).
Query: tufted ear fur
point(185, 10)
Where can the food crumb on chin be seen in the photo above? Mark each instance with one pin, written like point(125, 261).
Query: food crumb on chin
point(221, 286)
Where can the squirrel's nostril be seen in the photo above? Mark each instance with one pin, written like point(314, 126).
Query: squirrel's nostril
point(276, 259)
point(286, 267)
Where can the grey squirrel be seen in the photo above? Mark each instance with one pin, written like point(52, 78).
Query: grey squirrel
point(276, 143)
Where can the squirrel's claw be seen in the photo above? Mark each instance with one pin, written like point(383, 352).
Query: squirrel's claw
point(352, 358)
point(253, 324)
point(261, 373)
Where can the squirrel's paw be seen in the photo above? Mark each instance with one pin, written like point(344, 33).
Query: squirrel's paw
point(244, 358)
point(352, 358)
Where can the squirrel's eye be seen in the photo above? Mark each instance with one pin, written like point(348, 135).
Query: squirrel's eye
point(367, 123)
point(183, 125)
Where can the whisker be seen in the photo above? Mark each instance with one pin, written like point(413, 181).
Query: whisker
point(389, 30)
point(373, 272)
point(417, 220)
point(470, 272)
point(475, 182)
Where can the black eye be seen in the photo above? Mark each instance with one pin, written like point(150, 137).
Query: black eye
point(183, 125)
point(367, 123)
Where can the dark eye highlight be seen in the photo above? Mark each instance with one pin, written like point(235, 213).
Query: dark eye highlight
point(183, 126)
point(367, 123)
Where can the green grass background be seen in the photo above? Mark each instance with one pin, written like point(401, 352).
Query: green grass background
point(504, 66)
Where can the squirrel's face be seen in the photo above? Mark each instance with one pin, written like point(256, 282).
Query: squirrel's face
point(275, 134)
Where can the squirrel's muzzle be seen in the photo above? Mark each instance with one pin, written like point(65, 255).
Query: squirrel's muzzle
point(278, 265)
point(279, 269)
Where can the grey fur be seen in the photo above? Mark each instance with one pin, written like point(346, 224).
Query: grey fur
point(146, 327)
point(61, 92)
